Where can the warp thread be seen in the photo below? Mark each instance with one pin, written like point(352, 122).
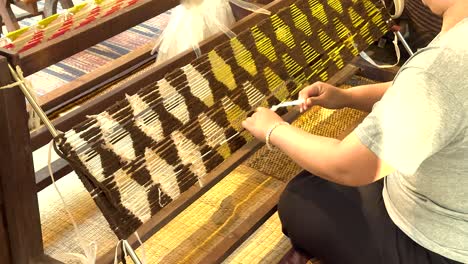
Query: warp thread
point(194, 21)
point(89, 247)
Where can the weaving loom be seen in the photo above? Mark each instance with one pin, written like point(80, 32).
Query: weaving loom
point(146, 150)
point(141, 153)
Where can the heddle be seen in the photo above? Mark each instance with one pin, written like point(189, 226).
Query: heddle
point(143, 152)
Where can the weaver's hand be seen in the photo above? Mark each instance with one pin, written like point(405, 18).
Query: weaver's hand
point(259, 123)
point(324, 95)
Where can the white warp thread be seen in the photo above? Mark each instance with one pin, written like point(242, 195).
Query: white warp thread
point(143, 251)
point(124, 249)
point(89, 247)
point(117, 251)
point(194, 21)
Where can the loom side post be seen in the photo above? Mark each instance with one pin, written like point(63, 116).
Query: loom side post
point(20, 225)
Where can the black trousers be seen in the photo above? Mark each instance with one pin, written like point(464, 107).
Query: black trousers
point(346, 225)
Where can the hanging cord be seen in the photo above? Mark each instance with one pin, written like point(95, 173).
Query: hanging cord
point(89, 247)
point(398, 36)
point(33, 120)
point(132, 253)
point(250, 7)
point(23, 84)
point(365, 56)
point(399, 7)
point(116, 261)
point(143, 251)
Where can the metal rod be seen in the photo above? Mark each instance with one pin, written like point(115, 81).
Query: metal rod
point(405, 44)
point(131, 252)
point(34, 104)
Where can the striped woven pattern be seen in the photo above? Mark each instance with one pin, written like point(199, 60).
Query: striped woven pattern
point(426, 25)
point(143, 152)
point(59, 24)
point(84, 62)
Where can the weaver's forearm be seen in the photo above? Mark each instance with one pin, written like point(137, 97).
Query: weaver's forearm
point(318, 155)
point(365, 96)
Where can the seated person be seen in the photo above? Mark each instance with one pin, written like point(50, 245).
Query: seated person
point(396, 189)
point(424, 25)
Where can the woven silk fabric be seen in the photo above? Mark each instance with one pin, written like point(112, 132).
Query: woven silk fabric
point(143, 152)
point(57, 25)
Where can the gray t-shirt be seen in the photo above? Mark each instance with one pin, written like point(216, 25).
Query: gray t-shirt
point(419, 127)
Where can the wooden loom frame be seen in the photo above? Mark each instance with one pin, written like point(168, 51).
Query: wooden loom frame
point(19, 213)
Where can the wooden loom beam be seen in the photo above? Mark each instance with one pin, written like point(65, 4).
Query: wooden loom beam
point(7, 15)
point(20, 226)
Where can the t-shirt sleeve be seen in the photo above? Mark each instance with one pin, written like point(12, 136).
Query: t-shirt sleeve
point(417, 117)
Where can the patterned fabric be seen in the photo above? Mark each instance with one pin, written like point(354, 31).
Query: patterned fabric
point(58, 24)
point(143, 152)
point(84, 62)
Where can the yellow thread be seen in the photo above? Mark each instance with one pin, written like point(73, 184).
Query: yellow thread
point(224, 151)
point(318, 11)
point(243, 57)
point(337, 6)
point(264, 44)
point(15, 34)
point(231, 109)
point(77, 8)
point(325, 40)
point(222, 71)
point(300, 20)
point(324, 76)
point(291, 66)
point(187, 257)
point(284, 35)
